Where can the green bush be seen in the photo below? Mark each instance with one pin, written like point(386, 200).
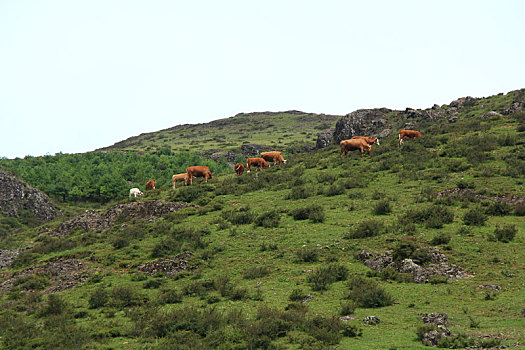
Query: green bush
point(367, 293)
point(410, 249)
point(347, 308)
point(434, 216)
point(519, 209)
point(441, 238)
point(326, 275)
point(169, 296)
point(313, 212)
point(498, 208)
point(268, 219)
point(307, 254)
point(297, 295)
point(166, 248)
point(475, 217)
point(55, 305)
point(125, 296)
point(506, 233)
point(300, 192)
point(382, 207)
point(98, 298)
point(241, 216)
point(365, 229)
point(256, 272)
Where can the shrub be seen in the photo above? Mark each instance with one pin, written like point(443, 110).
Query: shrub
point(382, 207)
point(347, 308)
point(169, 296)
point(433, 217)
point(297, 295)
point(367, 293)
point(441, 238)
point(519, 209)
point(325, 275)
point(125, 296)
point(498, 208)
point(241, 216)
point(55, 306)
point(300, 192)
point(153, 284)
point(334, 190)
point(268, 219)
point(365, 229)
point(256, 272)
point(313, 212)
point(307, 254)
point(409, 249)
point(98, 298)
point(166, 247)
point(437, 279)
point(475, 217)
point(506, 233)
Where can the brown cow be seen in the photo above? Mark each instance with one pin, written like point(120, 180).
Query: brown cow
point(178, 177)
point(258, 162)
point(369, 140)
point(197, 171)
point(151, 185)
point(354, 145)
point(408, 134)
point(239, 169)
point(273, 156)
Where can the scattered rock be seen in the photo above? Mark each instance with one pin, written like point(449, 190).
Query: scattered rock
point(15, 195)
point(463, 102)
point(515, 107)
point(7, 256)
point(435, 318)
point(372, 320)
point(93, 220)
point(465, 192)
point(420, 274)
point(63, 274)
point(168, 267)
point(490, 114)
point(489, 286)
point(252, 150)
point(453, 119)
point(523, 312)
point(346, 318)
point(324, 139)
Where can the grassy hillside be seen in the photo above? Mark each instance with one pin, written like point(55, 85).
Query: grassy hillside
point(273, 259)
point(286, 131)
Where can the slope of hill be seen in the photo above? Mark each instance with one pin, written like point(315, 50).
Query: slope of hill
point(414, 245)
point(286, 131)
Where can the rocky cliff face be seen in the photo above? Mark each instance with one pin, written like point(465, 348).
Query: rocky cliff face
point(361, 122)
point(16, 195)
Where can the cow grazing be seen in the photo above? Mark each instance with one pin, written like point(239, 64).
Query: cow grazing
point(197, 171)
point(151, 185)
point(354, 145)
point(135, 192)
point(273, 156)
point(178, 177)
point(239, 169)
point(408, 134)
point(369, 140)
point(258, 163)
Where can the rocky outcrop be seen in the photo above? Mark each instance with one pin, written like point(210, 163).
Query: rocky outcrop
point(363, 122)
point(439, 266)
point(15, 195)
point(93, 220)
point(253, 150)
point(510, 198)
point(215, 154)
point(167, 267)
point(7, 256)
point(324, 139)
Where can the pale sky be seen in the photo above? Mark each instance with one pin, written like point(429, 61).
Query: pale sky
point(78, 75)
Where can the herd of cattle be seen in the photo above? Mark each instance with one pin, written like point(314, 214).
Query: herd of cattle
point(356, 143)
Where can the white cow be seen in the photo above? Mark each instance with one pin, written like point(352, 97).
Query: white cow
point(135, 192)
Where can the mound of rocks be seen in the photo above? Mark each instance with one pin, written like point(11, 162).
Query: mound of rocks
point(438, 265)
point(64, 274)
point(168, 267)
point(15, 195)
point(7, 256)
point(93, 220)
point(466, 193)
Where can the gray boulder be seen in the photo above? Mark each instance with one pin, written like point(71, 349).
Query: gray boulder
point(363, 122)
point(15, 195)
point(324, 139)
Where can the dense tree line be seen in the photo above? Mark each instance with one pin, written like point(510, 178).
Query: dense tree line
point(99, 176)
